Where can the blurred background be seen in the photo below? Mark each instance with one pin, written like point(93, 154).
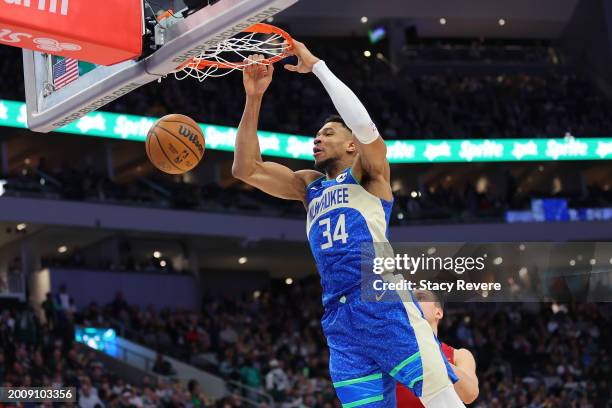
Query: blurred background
point(144, 289)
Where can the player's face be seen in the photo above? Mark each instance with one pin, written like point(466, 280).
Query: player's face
point(331, 143)
point(430, 307)
point(429, 310)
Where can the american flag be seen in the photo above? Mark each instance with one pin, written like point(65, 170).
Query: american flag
point(65, 71)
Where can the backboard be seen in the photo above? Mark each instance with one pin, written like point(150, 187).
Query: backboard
point(167, 45)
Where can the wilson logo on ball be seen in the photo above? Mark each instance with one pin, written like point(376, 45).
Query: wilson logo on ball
point(173, 143)
point(192, 137)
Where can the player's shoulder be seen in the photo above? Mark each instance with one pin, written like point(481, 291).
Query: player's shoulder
point(308, 176)
point(463, 356)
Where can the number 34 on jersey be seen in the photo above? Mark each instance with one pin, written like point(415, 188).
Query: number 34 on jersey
point(339, 231)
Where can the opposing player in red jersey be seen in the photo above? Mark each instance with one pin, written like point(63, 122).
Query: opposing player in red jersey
point(461, 360)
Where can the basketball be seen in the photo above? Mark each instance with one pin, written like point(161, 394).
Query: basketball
point(175, 144)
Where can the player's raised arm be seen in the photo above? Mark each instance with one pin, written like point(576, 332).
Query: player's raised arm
point(272, 178)
point(372, 159)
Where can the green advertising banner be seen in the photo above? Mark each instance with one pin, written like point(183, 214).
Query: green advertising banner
point(134, 128)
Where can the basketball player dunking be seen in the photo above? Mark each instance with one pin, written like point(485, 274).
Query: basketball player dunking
point(461, 360)
point(348, 199)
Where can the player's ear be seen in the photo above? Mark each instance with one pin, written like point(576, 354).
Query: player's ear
point(352, 146)
point(439, 314)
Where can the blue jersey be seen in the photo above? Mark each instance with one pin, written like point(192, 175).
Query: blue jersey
point(373, 344)
point(342, 217)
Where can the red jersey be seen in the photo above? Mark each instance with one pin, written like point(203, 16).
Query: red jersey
point(405, 397)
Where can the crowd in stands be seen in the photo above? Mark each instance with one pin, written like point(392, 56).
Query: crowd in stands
point(404, 106)
point(536, 356)
point(433, 106)
point(430, 106)
point(37, 352)
point(267, 343)
point(445, 51)
point(440, 202)
point(532, 355)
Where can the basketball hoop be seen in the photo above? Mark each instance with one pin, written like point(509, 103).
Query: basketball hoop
point(229, 55)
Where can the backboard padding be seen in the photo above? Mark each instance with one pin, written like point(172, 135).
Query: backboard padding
point(204, 28)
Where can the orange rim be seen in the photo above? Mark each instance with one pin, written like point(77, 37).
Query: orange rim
point(165, 15)
point(261, 28)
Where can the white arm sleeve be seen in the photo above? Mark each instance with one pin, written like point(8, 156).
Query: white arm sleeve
point(347, 104)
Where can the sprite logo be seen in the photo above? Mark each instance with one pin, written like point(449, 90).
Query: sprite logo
point(486, 149)
point(568, 148)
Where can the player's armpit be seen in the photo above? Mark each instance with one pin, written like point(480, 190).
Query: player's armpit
point(373, 157)
point(371, 169)
point(277, 180)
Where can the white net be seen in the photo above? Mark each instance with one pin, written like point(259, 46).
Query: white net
point(229, 56)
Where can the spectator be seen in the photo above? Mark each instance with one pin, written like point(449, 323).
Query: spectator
point(251, 377)
point(162, 366)
point(197, 399)
point(63, 298)
point(119, 304)
point(228, 334)
point(88, 395)
point(50, 309)
point(277, 382)
point(25, 326)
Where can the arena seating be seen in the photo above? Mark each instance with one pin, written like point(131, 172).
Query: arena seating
point(522, 103)
point(435, 204)
point(528, 355)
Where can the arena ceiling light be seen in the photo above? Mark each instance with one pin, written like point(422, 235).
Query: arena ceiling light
point(62, 249)
point(242, 260)
point(501, 22)
point(367, 53)
point(21, 227)
point(442, 21)
point(289, 281)
point(157, 254)
point(364, 19)
point(162, 264)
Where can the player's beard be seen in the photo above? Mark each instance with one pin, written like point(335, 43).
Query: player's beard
point(325, 165)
